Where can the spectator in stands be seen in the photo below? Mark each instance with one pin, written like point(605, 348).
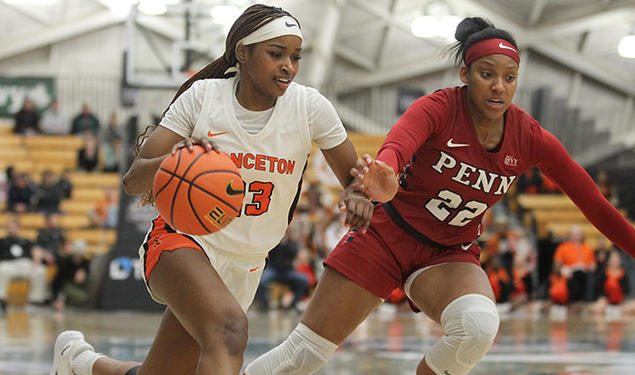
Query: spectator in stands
point(111, 144)
point(280, 268)
point(65, 183)
point(112, 131)
point(6, 179)
point(20, 258)
point(607, 189)
point(88, 155)
point(501, 244)
point(530, 182)
point(577, 262)
point(85, 122)
point(105, 213)
point(27, 120)
point(71, 284)
point(48, 194)
point(558, 286)
point(51, 238)
point(21, 194)
point(53, 121)
point(500, 280)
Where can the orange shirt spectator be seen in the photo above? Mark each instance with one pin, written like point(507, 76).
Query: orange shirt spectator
point(575, 254)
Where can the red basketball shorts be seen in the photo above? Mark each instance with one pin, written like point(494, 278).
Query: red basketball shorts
point(383, 258)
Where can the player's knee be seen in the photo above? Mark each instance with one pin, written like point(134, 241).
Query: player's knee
point(470, 324)
point(229, 331)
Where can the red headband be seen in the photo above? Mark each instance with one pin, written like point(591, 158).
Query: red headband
point(492, 46)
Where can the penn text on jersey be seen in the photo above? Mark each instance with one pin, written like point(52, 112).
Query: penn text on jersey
point(261, 162)
point(485, 180)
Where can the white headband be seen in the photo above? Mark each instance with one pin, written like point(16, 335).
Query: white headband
point(280, 26)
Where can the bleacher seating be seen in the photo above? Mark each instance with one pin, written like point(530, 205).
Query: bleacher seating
point(556, 214)
point(58, 153)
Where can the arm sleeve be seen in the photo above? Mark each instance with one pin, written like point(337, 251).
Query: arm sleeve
point(182, 115)
point(412, 130)
point(554, 161)
point(327, 130)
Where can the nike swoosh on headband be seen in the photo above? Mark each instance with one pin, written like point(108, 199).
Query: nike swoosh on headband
point(287, 24)
point(501, 45)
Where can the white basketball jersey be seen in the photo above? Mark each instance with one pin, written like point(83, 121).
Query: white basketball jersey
point(270, 162)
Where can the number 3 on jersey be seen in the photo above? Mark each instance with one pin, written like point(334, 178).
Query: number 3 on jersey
point(440, 208)
point(260, 199)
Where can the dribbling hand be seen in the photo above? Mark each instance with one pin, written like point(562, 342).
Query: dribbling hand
point(375, 178)
point(191, 141)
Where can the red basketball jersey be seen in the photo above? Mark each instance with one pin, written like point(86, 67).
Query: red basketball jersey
point(448, 179)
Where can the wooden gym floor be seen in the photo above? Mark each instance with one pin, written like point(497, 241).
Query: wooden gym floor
point(389, 342)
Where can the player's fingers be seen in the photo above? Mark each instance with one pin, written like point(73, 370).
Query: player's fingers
point(177, 146)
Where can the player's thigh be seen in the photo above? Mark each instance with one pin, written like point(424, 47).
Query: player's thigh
point(437, 286)
point(173, 351)
point(197, 295)
point(338, 306)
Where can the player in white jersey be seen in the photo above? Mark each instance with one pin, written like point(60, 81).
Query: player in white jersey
point(267, 124)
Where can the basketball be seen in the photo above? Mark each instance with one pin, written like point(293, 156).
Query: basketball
point(198, 192)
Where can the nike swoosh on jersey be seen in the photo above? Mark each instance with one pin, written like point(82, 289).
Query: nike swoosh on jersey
point(231, 191)
point(501, 45)
point(466, 247)
point(210, 134)
point(451, 144)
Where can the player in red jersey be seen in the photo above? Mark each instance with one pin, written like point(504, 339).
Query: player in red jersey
point(449, 158)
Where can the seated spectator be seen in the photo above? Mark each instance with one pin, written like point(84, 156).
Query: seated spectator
point(530, 182)
point(606, 187)
point(27, 120)
point(88, 155)
point(105, 213)
point(501, 244)
point(48, 194)
point(51, 238)
point(6, 180)
point(577, 260)
point(65, 184)
point(112, 131)
point(280, 268)
point(499, 279)
point(53, 121)
point(71, 284)
point(20, 258)
point(21, 194)
point(558, 286)
point(112, 156)
point(85, 122)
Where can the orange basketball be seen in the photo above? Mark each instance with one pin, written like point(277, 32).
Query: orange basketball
point(198, 192)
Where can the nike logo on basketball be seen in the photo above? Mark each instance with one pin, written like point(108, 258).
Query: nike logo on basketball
point(452, 145)
point(231, 191)
point(287, 24)
point(210, 134)
point(501, 45)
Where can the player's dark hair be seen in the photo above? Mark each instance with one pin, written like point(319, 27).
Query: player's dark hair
point(251, 20)
point(472, 30)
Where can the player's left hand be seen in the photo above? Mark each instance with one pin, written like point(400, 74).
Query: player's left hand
point(357, 208)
